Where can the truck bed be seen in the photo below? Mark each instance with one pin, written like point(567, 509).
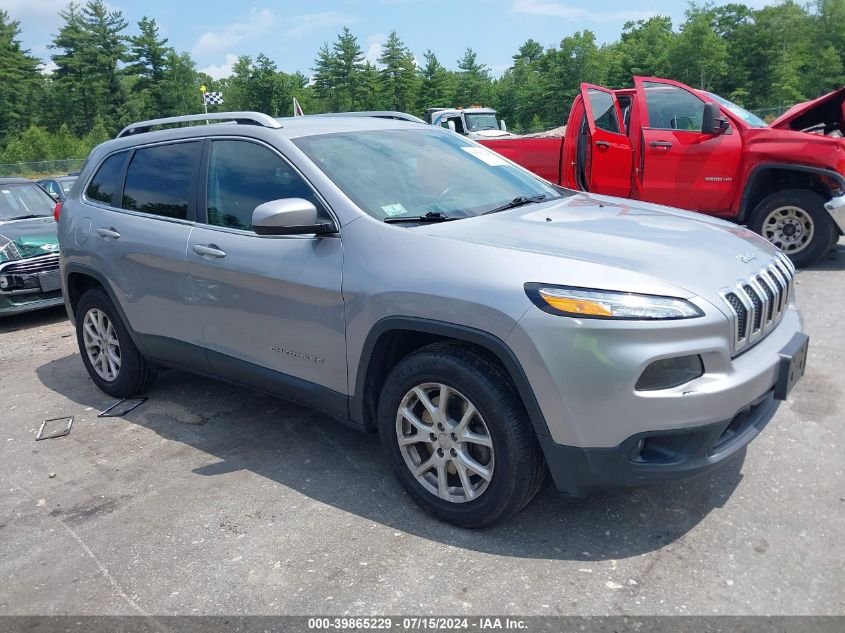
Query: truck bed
point(540, 155)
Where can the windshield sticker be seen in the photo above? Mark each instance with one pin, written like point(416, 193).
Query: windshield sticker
point(492, 159)
point(394, 209)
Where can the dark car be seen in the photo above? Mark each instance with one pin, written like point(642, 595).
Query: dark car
point(29, 248)
point(57, 187)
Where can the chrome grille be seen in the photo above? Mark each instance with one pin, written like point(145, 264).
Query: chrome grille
point(757, 303)
point(31, 265)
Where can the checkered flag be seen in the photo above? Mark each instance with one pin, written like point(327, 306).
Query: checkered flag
point(212, 98)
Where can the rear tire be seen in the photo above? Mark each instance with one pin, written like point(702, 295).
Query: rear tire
point(108, 352)
point(795, 221)
point(485, 462)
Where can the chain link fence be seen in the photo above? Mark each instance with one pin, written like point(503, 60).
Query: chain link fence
point(770, 114)
point(42, 168)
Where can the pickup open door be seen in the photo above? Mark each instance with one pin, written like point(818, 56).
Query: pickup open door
point(677, 163)
point(600, 157)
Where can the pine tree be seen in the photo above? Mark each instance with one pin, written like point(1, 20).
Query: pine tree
point(180, 85)
point(398, 79)
point(348, 64)
point(324, 78)
point(435, 89)
point(19, 79)
point(473, 81)
point(107, 50)
point(91, 45)
point(147, 59)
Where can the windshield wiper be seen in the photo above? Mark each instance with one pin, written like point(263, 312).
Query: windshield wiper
point(517, 202)
point(28, 217)
point(431, 216)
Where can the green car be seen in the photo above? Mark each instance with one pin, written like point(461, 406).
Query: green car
point(29, 248)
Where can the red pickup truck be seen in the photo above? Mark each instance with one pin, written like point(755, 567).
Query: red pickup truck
point(662, 141)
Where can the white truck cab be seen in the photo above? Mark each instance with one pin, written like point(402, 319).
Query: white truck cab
point(475, 122)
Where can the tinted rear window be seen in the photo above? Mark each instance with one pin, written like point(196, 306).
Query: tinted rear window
point(158, 181)
point(106, 182)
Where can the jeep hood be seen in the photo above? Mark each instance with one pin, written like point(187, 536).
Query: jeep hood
point(687, 250)
point(32, 237)
point(828, 110)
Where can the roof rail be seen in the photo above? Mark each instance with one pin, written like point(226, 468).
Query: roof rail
point(242, 118)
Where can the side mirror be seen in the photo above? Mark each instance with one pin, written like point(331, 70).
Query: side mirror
point(503, 126)
point(451, 126)
point(713, 122)
point(289, 216)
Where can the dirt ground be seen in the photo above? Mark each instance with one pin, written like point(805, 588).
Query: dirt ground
point(211, 499)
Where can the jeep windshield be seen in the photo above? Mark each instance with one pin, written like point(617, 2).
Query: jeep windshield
point(21, 201)
point(411, 173)
point(479, 122)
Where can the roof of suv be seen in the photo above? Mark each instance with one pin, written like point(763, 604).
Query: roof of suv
point(291, 127)
point(15, 181)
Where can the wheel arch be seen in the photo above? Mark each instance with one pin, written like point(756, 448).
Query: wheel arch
point(767, 178)
point(393, 338)
point(78, 279)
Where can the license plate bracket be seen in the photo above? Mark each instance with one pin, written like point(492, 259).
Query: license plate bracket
point(50, 281)
point(793, 360)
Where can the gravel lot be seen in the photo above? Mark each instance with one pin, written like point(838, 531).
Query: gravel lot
point(210, 499)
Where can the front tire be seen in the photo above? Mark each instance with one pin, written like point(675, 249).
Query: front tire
point(795, 221)
point(457, 436)
point(108, 352)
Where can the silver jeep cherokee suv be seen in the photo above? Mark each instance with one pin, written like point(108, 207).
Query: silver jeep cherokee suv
point(403, 279)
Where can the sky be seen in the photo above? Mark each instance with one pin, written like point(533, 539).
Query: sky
point(290, 33)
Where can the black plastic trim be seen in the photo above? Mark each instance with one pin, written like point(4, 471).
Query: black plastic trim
point(744, 211)
point(580, 471)
point(205, 362)
point(483, 339)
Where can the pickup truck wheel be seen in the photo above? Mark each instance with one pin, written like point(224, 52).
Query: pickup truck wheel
point(110, 357)
point(458, 437)
point(796, 222)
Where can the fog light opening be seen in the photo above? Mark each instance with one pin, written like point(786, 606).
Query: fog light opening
point(670, 372)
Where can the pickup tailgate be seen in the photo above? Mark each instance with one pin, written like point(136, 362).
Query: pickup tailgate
point(540, 155)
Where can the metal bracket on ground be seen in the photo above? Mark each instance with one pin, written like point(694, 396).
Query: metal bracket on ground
point(110, 413)
point(65, 431)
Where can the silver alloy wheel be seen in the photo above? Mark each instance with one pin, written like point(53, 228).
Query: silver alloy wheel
point(789, 228)
point(445, 442)
point(101, 344)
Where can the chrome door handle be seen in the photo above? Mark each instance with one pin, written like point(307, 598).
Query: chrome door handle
point(209, 251)
point(602, 144)
point(108, 233)
point(665, 144)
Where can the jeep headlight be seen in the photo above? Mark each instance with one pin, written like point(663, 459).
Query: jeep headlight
point(608, 304)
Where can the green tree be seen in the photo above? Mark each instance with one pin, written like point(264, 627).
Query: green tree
point(325, 69)
point(148, 56)
point(435, 88)
point(398, 81)
point(473, 85)
point(643, 49)
point(699, 57)
point(19, 79)
point(180, 85)
point(90, 46)
point(106, 51)
point(348, 65)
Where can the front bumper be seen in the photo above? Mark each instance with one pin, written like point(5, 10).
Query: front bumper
point(836, 207)
point(27, 303)
point(656, 457)
point(30, 283)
